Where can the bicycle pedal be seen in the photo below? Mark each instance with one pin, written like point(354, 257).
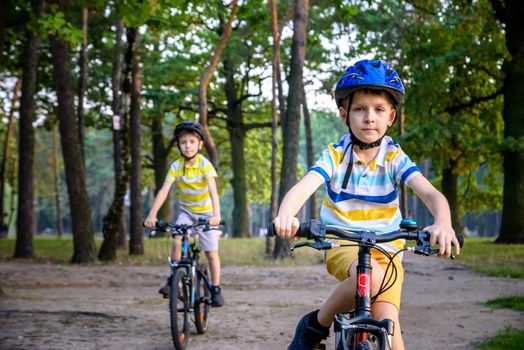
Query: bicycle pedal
point(206, 301)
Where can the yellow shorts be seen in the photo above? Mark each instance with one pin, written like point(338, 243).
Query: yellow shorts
point(339, 260)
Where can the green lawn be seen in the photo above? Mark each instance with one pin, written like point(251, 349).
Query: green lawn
point(508, 340)
point(484, 256)
point(480, 254)
point(238, 251)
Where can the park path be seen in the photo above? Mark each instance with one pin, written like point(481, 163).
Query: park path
point(49, 306)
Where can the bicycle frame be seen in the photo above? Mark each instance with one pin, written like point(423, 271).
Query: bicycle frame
point(356, 328)
point(362, 322)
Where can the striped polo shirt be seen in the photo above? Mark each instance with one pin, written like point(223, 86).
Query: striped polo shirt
point(192, 183)
point(370, 199)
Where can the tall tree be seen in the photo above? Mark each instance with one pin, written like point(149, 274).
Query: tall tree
point(136, 236)
point(5, 153)
point(204, 83)
point(510, 13)
point(83, 237)
point(312, 202)
point(274, 116)
point(291, 122)
point(113, 223)
point(26, 215)
point(82, 79)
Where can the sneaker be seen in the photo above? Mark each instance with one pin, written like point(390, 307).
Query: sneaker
point(306, 336)
point(166, 289)
point(217, 299)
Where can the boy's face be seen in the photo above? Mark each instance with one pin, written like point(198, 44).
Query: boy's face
point(370, 115)
point(189, 144)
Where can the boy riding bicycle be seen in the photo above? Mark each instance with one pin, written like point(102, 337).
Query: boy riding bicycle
point(362, 173)
point(195, 177)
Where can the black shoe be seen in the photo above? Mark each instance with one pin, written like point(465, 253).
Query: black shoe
point(306, 336)
point(217, 299)
point(166, 290)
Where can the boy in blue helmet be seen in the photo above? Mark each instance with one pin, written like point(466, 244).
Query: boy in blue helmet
point(362, 173)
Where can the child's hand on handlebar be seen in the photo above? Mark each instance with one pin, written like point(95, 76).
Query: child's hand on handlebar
point(286, 226)
point(150, 221)
point(214, 221)
point(444, 236)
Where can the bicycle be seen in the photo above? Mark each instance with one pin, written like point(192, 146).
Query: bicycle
point(189, 283)
point(358, 330)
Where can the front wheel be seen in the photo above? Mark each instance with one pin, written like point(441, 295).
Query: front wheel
point(179, 309)
point(202, 301)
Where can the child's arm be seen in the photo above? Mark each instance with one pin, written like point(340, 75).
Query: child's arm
point(212, 185)
point(441, 230)
point(157, 204)
point(286, 224)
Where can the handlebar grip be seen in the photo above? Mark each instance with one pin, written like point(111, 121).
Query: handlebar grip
point(303, 230)
point(271, 230)
point(460, 239)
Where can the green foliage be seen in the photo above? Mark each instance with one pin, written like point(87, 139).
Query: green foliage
point(53, 22)
point(513, 303)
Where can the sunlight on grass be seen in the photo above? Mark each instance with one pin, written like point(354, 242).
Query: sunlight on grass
point(238, 251)
point(480, 254)
point(501, 260)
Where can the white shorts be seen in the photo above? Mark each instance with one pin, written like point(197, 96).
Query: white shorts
point(208, 239)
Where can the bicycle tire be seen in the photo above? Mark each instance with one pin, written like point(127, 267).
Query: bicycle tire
point(179, 309)
point(202, 300)
point(367, 345)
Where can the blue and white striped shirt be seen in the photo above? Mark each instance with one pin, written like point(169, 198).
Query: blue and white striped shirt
point(370, 199)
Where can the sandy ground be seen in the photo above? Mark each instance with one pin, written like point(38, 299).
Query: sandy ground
point(48, 306)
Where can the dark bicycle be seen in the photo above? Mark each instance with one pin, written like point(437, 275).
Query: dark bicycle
point(189, 283)
point(358, 330)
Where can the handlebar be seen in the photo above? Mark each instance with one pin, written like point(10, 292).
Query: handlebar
point(181, 229)
point(315, 230)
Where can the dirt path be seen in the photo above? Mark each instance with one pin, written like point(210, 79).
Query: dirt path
point(117, 307)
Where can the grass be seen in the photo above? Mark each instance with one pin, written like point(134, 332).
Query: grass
point(509, 339)
point(238, 251)
point(512, 302)
point(479, 254)
point(486, 257)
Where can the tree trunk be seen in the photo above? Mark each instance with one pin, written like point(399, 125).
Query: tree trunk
point(291, 121)
point(82, 80)
point(114, 223)
point(59, 226)
point(274, 118)
point(160, 163)
point(26, 214)
point(5, 153)
point(404, 206)
point(83, 237)
point(313, 209)
point(510, 12)
point(204, 83)
point(237, 135)
point(136, 235)
point(450, 191)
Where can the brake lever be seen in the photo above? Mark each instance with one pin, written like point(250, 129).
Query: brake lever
point(318, 245)
point(427, 251)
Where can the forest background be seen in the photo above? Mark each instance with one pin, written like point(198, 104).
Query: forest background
point(102, 83)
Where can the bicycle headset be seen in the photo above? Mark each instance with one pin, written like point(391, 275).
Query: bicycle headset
point(366, 74)
point(191, 126)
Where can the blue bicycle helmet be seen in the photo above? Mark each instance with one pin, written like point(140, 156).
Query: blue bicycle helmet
point(371, 74)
